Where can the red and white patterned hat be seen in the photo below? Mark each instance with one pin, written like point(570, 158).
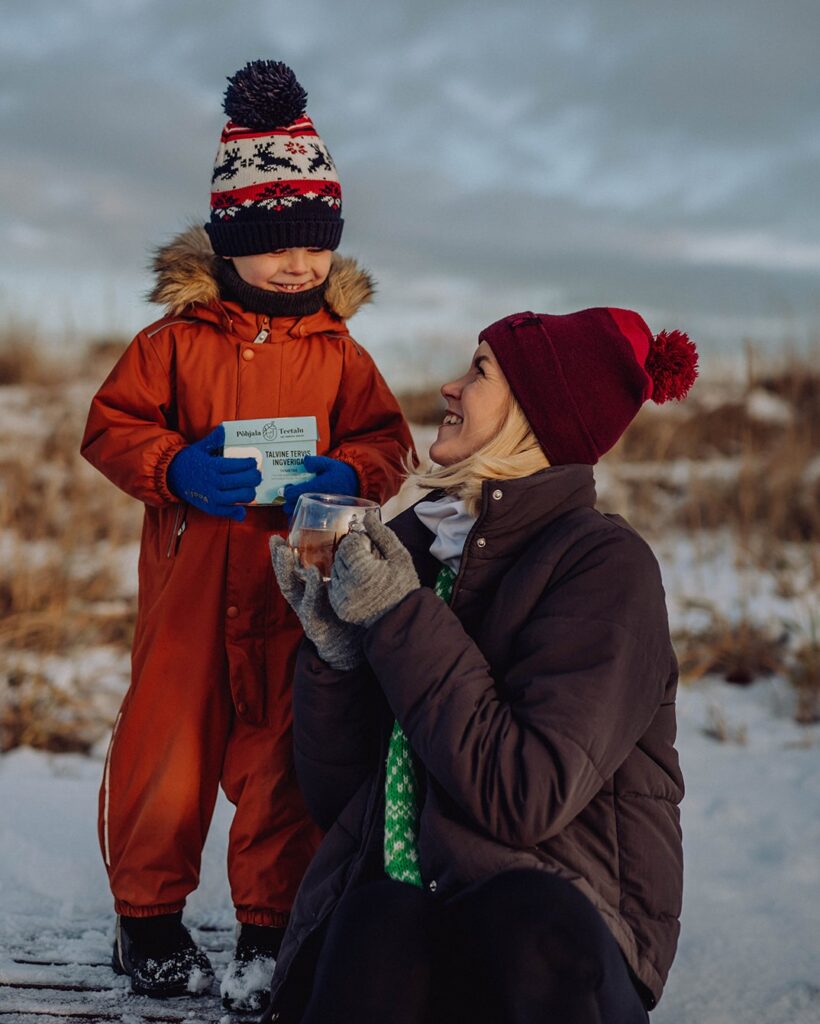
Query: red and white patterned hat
point(274, 183)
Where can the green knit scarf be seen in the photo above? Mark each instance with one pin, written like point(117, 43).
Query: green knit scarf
point(401, 808)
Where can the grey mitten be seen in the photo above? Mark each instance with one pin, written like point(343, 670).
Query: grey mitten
point(338, 643)
point(368, 579)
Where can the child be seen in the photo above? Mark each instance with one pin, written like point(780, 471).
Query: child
point(255, 328)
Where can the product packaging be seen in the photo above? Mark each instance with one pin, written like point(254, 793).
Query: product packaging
point(279, 447)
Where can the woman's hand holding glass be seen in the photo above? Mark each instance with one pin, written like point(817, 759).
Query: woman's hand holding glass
point(372, 572)
point(320, 522)
point(337, 643)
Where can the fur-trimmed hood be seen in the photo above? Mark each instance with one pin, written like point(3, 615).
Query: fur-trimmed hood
point(185, 277)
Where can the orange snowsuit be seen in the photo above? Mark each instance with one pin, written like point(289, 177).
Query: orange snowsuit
point(215, 641)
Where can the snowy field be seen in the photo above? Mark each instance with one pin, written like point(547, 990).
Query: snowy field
point(750, 943)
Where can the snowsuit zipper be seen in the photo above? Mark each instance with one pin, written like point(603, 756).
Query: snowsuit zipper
point(180, 525)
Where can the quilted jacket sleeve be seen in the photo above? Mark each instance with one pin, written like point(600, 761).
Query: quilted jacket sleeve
point(337, 728)
point(523, 755)
point(368, 430)
point(130, 435)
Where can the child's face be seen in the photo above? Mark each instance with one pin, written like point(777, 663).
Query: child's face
point(285, 270)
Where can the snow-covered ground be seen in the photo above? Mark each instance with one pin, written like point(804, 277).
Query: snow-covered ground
point(750, 943)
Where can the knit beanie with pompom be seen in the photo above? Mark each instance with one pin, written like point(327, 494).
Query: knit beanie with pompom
point(274, 184)
point(582, 377)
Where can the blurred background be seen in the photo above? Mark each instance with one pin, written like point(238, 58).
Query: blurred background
point(540, 154)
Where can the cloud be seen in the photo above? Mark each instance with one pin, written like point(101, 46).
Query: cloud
point(655, 154)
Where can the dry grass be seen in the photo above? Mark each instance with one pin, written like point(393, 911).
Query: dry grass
point(751, 471)
point(805, 678)
point(425, 408)
point(739, 651)
point(777, 493)
point(804, 669)
point(695, 431)
point(745, 459)
point(62, 526)
point(744, 650)
point(718, 728)
point(101, 354)
point(771, 402)
point(35, 712)
point(59, 595)
point(25, 359)
point(20, 359)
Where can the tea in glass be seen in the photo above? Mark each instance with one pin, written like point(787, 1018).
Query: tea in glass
point(320, 523)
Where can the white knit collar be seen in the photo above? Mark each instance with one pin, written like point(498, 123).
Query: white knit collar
point(450, 521)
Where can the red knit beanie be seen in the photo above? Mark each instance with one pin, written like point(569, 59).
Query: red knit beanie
point(581, 378)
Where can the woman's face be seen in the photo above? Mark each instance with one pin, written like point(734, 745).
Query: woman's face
point(476, 406)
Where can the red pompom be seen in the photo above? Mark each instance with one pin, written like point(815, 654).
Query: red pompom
point(672, 364)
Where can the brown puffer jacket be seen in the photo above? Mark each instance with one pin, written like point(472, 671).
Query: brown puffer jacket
point(541, 705)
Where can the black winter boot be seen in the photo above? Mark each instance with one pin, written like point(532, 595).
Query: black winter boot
point(246, 985)
point(160, 957)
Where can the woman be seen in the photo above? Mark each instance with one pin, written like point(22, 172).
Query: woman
point(484, 721)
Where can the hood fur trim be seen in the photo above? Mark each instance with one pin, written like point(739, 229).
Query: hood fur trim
point(185, 277)
point(349, 287)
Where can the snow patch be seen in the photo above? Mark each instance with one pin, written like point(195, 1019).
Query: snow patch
point(246, 983)
point(763, 406)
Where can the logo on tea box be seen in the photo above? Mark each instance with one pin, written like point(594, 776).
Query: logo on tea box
point(271, 432)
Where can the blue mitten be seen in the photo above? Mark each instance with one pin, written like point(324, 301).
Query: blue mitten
point(211, 482)
point(332, 477)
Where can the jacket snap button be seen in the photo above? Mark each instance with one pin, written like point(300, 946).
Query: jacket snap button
point(232, 612)
point(481, 542)
point(433, 886)
point(248, 354)
point(498, 494)
point(242, 707)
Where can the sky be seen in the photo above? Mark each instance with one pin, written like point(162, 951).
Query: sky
point(540, 154)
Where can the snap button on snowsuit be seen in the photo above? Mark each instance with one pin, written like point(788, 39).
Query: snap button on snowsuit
point(481, 543)
point(498, 494)
point(232, 612)
point(248, 354)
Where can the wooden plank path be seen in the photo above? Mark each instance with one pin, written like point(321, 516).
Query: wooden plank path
point(43, 982)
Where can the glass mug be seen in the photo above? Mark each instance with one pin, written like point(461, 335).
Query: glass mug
point(319, 524)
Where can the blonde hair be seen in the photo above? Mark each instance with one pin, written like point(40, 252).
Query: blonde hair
point(512, 452)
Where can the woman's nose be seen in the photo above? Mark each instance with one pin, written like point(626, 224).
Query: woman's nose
point(455, 387)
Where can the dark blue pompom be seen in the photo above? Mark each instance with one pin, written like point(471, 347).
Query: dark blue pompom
point(264, 95)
